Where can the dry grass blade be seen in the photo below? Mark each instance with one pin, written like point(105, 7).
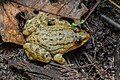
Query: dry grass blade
point(110, 21)
point(98, 1)
point(114, 4)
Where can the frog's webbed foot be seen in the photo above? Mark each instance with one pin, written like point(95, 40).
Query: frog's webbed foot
point(35, 52)
point(58, 58)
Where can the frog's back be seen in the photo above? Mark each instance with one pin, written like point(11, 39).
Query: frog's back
point(55, 35)
point(56, 38)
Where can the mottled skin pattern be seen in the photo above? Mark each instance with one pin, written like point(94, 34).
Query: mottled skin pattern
point(48, 39)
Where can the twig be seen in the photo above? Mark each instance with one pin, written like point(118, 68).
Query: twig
point(110, 21)
point(114, 4)
point(92, 10)
point(1, 43)
point(90, 70)
point(68, 60)
point(76, 61)
point(91, 61)
point(84, 66)
point(89, 28)
point(93, 43)
point(117, 60)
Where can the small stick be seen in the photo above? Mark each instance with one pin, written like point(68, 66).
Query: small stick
point(92, 10)
point(114, 4)
point(91, 61)
point(110, 21)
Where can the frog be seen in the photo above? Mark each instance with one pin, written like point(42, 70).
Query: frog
point(48, 39)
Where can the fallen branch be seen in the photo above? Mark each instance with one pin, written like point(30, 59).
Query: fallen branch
point(114, 4)
point(91, 11)
point(95, 65)
point(110, 21)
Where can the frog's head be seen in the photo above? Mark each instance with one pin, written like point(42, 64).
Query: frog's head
point(82, 37)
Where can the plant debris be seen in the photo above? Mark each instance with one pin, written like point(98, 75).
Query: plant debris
point(98, 59)
point(64, 8)
point(11, 25)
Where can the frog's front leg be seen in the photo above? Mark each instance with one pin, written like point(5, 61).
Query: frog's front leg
point(58, 58)
point(35, 52)
point(29, 27)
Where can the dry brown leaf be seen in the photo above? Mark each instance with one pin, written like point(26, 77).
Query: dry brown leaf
point(9, 29)
point(48, 71)
point(9, 25)
point(64, 8)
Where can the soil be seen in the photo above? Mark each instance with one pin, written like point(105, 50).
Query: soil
point(98, 59)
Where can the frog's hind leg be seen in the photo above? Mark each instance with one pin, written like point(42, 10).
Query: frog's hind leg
point(58, 58)
point(29, 50)
point(35, 52)
point(29, 57)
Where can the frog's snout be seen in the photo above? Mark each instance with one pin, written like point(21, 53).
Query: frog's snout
point(82, 37)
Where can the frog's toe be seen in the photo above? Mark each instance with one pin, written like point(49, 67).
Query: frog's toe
point(58, 58)
point(29, 57)
point(26, 45)
point(44, 57)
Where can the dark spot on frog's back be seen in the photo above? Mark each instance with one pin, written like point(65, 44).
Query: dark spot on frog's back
point(51, 39)
point(37, 50)
point(60, 33)
point(44, 39)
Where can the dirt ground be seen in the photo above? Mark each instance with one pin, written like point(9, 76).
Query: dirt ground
point(98, 59)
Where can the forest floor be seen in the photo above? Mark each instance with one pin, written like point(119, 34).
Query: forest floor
point(98, 59)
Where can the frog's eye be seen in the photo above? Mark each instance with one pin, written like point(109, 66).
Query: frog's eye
point(47, 55)
point(51, 22)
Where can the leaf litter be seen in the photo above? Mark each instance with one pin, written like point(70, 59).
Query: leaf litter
point(10, 25)
point(94, 60)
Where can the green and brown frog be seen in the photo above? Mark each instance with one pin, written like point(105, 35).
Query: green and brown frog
point(49, 38)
